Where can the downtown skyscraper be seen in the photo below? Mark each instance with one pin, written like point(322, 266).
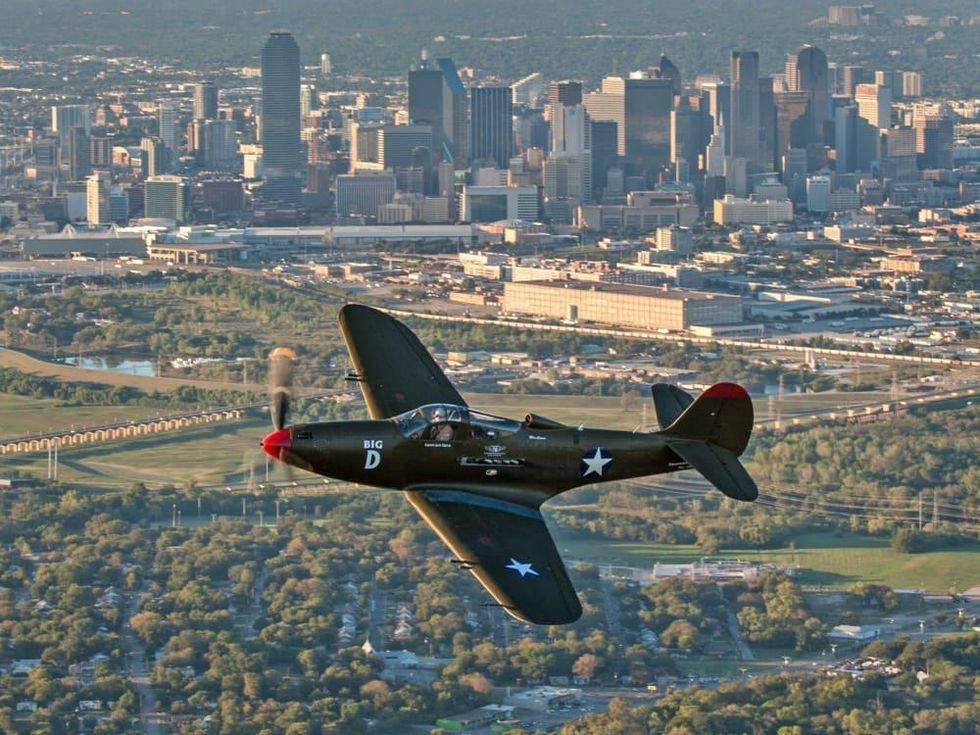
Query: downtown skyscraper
point(437, 97)
point(491, 125)
point(281, 150)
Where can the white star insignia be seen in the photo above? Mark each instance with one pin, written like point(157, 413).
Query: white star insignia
point(596, 463)
point(522, 569)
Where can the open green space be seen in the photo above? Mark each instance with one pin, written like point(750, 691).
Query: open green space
point(204, 454)
point(830, 559)
point(20, 416)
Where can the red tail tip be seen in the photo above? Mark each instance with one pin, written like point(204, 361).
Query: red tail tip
point(725, 390)
point(275, 442)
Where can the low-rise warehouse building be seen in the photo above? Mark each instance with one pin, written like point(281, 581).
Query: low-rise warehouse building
point(645, 307)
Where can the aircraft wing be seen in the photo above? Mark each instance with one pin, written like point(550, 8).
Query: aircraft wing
point(507, 547)
point(396, 373)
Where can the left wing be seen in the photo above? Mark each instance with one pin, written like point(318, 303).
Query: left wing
point(395, 371)
point(507, 547)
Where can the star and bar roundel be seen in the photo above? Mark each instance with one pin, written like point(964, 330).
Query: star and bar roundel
point(595, 462)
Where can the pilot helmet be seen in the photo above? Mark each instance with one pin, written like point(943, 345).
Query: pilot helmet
point(439, 414)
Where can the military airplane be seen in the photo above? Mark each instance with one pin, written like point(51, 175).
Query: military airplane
point(479, 480)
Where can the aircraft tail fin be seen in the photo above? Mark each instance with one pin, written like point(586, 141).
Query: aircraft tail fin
point(669, 402)
point(710, 435)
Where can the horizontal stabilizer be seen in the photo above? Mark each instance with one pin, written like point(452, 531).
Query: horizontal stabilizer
point(669, 401)
point(719, 466)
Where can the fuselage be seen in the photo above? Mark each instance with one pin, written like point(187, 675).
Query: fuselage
point(500, 460)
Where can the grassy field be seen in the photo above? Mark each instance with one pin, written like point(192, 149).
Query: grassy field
point(836, 560)
point(205, 454)
point(20, 416)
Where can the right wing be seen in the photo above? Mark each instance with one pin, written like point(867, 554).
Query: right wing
point(395, 371)
point(507, 547)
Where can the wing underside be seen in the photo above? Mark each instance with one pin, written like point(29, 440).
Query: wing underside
point(507, 547)
point(395, 371)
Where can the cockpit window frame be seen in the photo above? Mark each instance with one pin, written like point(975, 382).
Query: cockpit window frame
point(424, 422)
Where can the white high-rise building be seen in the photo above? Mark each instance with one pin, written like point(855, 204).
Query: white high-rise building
point(818, 194)
point(97, 189)
point(168, 116)
point(714, 154)
point(325, 66)
point(571, 154)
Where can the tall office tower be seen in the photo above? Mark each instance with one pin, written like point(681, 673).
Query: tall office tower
point(845, 134)
point(689, 132)
point(874, 115)
point(793, 122)
point(810, 75)
point(100, 150)
point(898, 154)
point(492, 125)
point(66, 117)
point(195, 140)
point(605, 155)
point(718, 97)
point(911, 84)
point(79, 154)
point(154, 155)
point(205, 101)
point(566, 92)
point(398, 145)
point(307, 100)
point(97, 187)
point(609, 103)
point(571, 152)
point(933, 139)
point(220, 147)
point(281, 151)
point(794, 165)
point(325, 66)
point(669, 71)
point(874, 102)
point(647, 106)
point(853, 76)
point(745, 125)
point(437, 97)
point(715, 152)
point(767, 126)
point(168, 119)
point(164, 198)
point(891, 79)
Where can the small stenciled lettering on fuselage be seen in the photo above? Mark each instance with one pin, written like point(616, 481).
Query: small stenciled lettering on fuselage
point(372, 453)
point(441, 445)
point(537, 438)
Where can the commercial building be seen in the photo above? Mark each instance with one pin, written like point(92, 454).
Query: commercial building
point(647, 104)
point(492, 125)
point(402, 146)
point(66, 117)
point(281, 159)
point(97, 188)
point(645, 307)
point(164, 197)
point(363, 193)
point(735, 211)
point(205, 101)
point(493, 203)
point(437, 97)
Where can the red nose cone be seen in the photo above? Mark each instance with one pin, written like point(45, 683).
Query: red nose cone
point(275, 442)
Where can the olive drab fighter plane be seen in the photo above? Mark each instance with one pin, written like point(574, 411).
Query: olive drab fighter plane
point(479, 480)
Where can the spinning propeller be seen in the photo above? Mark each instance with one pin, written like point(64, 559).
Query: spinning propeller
point(281, 362)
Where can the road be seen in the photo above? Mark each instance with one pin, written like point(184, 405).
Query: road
point(744, 652)
point(151, 722)
point(610, 606)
